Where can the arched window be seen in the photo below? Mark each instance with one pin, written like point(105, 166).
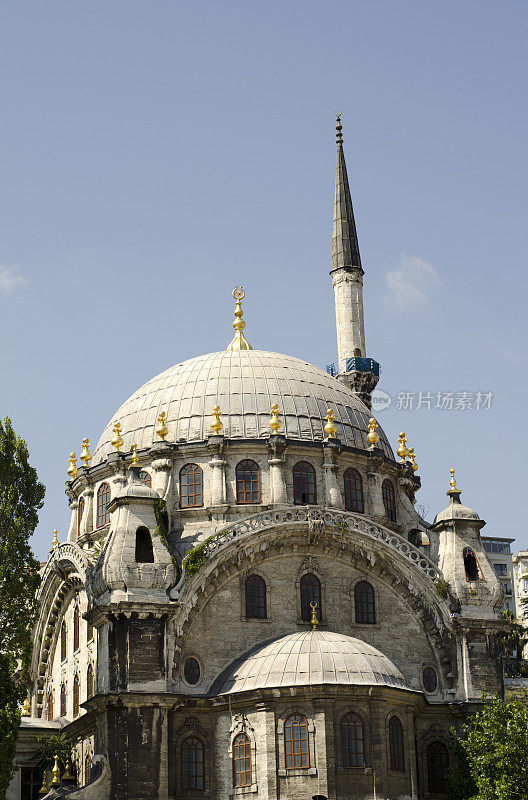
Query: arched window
point(63, 640)
point(352, 741)
point(365, 604)
point(396, 745)
point(437, 767)
point(87, 768)
point(310, 593)
point(471, 565)
point(89, 682)
point(144, 550)
point(389, 499)
point(296, 753)
point(192, 763)
point(247, 474)
point(49, 706)
point(80, 512)
point(76, 628)
point(145, 478)
point(241, 760)
point(255, 597)
point(76, 696)
point(89, 631)
point(63, 701)
point(353, 491)
point(304, 484)
point(191, 486)
point(103, 499)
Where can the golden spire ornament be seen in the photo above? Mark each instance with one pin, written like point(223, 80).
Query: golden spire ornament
point(55, 541)
point(275, 422)
point(453, 488)
point(330, 427)
point(72, 469)
point(135, 459)
point(372, 435)
point(86, 456)
point(26, 708)
point(239, 342)
point(216, 424)
point(117, 440)
point(161, 428)
point(44, 789)
point(402, 449)
point(412, 458)
point(56, 773)
point(67, 776)
point(314, 620)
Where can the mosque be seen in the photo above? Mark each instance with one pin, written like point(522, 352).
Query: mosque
point(248, 603)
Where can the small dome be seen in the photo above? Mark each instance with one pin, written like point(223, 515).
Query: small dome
point(245, 384)
point(455, 510)
point(309, 658)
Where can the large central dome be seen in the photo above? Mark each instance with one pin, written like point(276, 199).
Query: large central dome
point(244, 383)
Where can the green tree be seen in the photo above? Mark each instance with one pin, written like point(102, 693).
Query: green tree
point(515, 639)
point(48, 748)
point(494, 744)
point(21, 495)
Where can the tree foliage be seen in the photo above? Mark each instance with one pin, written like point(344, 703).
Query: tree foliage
point(21, 496)
point(49, 747)
point(494, 744)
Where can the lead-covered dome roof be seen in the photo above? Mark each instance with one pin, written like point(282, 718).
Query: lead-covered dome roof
point(309, 658)
point(244, 383)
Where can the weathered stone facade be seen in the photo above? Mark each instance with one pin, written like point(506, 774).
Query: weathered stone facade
point(263, 613)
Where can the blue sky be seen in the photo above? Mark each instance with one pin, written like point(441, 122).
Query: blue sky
point(155, 154)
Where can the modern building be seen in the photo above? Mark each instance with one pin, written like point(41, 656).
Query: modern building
point(499, 552)
point(248, 603)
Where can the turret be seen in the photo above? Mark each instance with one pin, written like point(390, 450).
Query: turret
point(356, 370)
point(462, 558)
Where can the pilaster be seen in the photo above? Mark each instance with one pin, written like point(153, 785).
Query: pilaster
point(333, 494)
point(277, 445)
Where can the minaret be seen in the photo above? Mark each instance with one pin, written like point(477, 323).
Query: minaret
point(355, 369)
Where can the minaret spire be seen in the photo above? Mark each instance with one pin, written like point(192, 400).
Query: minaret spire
point(357, 371)
point(345, 246)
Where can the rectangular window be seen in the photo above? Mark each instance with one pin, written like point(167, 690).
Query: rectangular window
point(501, 569)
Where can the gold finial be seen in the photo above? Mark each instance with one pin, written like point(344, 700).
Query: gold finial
point(117, 440)
point(372, 435)
point(412, 458)
point(275, 422)
point(26, 708)
point(314, 620)
point(44, 789)
point(216, 424)
point(72, 469)
point(135, 459)
point(55, 541)
point(162, 429)
point(56, 773)
point(68, 774)
point(330, 427)
point(339, 128)
point(239, 341)
point(453, 488)
point(86, 456)
point(402, 449)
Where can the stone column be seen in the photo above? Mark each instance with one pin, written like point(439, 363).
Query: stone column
point(161, 468)
point(87, 521)
point(333, 494)
point(378, 710)
point(410, 744)
point(277, 445)
point(215, 445)
point(374, 480)
point(267, 771)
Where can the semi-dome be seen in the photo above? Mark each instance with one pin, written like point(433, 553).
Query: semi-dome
point(309, 658)
point(244, 383)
